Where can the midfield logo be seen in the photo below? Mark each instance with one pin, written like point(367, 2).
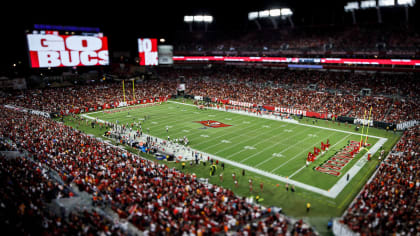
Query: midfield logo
point(212, 123)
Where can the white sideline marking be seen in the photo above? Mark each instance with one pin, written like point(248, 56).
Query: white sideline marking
point(225, 141)
point(288, 121)
point(329, 148)
point(249, 147)
point(342, 182)
point(334, 191)
point(204, 136)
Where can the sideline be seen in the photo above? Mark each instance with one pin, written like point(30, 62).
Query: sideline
point(271, 117)
point(333, 192)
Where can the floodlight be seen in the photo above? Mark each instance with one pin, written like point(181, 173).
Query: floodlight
point(188, 18)
point(253, 15)
point(198, 18)
point(386, 3)
point(367, 4)
point(286, 12)
point(275, 12)
point(352, 6)
point(406, 2)
point(207, 18)
point(264, 13)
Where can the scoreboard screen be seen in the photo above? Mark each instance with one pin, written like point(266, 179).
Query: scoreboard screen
point(50, 49)
point(148, 52)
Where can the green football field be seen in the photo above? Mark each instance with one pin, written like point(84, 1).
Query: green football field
point(274, 148)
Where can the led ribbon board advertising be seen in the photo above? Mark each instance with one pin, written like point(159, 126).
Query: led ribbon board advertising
point(349, 61)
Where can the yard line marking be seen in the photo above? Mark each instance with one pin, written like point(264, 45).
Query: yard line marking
point(334, 191)
point(230, 133)
point(294, 173)
point(177, 121)
point(270, 158)
point(296, 155)
point(221, 130)
point(244, 140)
point(288, 121)
point(269, 147)
point(342, 182)
point(178, 130)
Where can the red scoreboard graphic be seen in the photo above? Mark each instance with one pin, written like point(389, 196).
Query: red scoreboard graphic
point(148, 52)
point(54, 50)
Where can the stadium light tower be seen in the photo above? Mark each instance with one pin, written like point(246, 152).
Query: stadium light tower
point(406, 4)
point(273, 15)
point(189, 20)
point(254, 17)
point(350, 7)
point(287, 13)
point(206, 19)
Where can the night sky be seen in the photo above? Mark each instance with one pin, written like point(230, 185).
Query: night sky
point(124, 21)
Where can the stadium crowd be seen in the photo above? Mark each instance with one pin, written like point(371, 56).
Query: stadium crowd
point(153, 197)
point(25, 194)
point(156, 198)
point(344, 41)
point(86, 96)
point(337, 93)
point(390, 202)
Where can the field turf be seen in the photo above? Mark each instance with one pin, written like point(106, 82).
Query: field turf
point(276, 147)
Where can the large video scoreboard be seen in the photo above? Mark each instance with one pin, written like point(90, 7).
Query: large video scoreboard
point(51, 49)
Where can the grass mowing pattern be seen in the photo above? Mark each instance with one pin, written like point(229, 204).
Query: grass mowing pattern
point(276, 147)
point(274, 193)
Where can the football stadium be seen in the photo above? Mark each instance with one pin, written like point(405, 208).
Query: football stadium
point(267, 118)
